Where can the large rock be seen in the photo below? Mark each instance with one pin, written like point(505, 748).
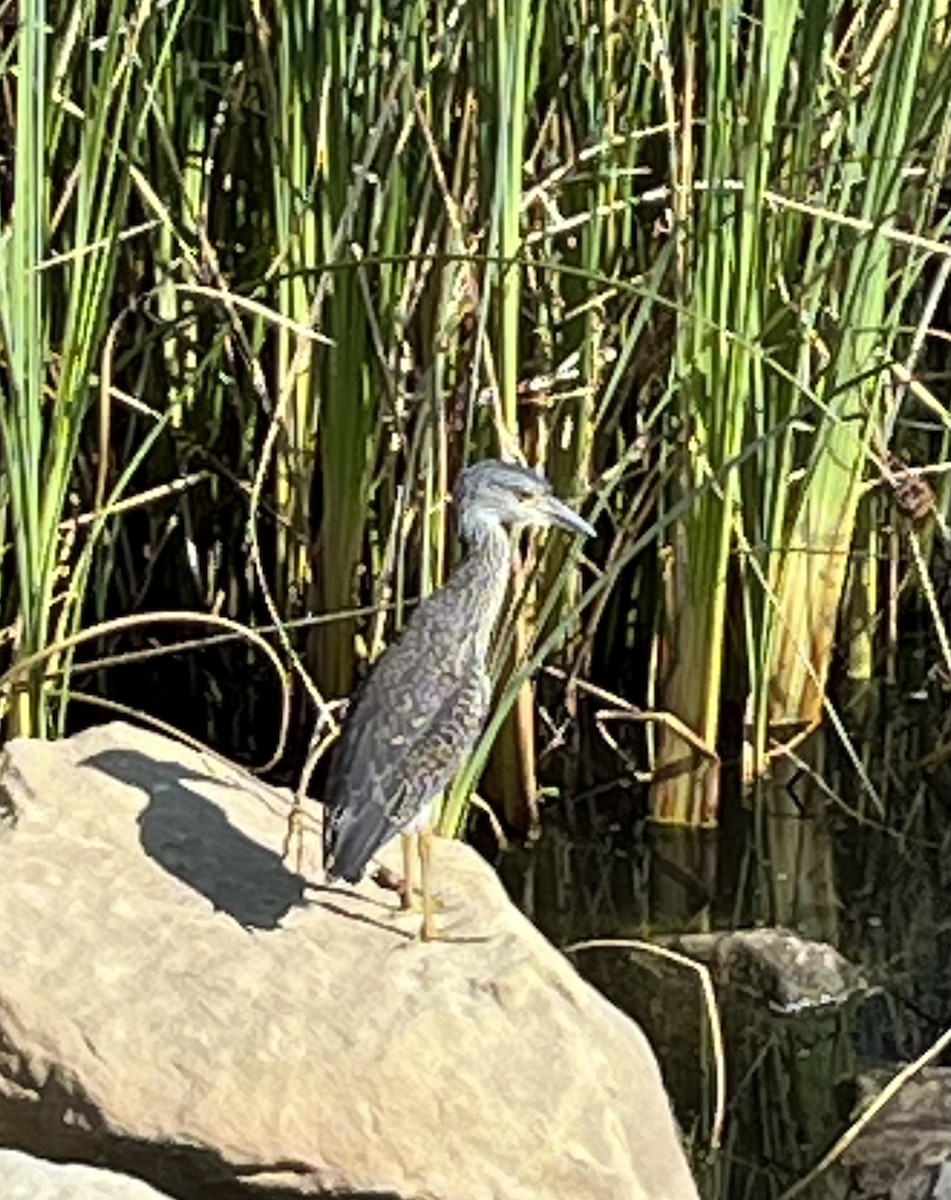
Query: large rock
point(26, 1178)
point(177, 1004)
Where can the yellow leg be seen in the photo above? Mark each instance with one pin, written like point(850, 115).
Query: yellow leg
point(407, 841)
point(428, 931)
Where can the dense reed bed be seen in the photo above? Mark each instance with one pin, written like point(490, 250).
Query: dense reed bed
point(269, 275)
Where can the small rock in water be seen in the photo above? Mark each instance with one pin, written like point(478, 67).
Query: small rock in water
point(790, 973)
point(905, 1153)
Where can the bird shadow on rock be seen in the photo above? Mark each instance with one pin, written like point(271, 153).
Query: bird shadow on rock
point(191, 838)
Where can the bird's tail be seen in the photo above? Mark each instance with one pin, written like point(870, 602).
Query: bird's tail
point(351, 840)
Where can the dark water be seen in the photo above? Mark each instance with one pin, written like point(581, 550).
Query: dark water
point(810, 851)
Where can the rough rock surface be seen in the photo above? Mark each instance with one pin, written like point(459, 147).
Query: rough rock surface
point(905, 1153)
point(177, 1004)
point(787, 972)
point(25, 1178)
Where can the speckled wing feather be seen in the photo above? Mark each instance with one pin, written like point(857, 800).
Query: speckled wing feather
point(404, 739)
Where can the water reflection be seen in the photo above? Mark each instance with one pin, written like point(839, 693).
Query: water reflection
point(879, 891)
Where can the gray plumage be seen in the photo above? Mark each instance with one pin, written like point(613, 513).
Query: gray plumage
point(423, 705)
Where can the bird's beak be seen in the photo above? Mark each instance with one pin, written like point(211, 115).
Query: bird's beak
point(551, 511)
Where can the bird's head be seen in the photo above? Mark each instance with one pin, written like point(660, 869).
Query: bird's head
point(493, 493)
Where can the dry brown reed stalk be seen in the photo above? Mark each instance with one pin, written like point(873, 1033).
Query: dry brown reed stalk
point(140, 500)
point(623, 710)
point(127, 658)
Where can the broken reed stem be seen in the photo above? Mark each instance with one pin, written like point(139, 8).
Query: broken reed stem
point(161, 491)
point(924, 582)
point(710, 1003)
point(624, 710)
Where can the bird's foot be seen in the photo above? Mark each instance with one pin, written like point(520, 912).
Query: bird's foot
point(426, 930)
point(417, 902)
point(391, 881)
point(412, 906)
point(410, 897)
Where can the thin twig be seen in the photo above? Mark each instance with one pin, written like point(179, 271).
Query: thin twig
point(24, 665)
point(710, 1003)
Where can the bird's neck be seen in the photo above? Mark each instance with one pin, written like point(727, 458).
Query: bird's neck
point(480, 582)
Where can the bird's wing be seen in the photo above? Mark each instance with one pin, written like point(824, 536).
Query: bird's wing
point(399, 748)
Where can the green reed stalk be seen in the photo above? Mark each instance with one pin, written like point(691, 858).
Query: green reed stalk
point(899, 110)
point(794, 316)
point(57, 263)
point(21, 311)
point(721, 383)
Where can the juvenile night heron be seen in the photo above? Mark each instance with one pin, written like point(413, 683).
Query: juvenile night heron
point(423, 705)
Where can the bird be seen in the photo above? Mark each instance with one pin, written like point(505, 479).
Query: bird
point(424, 702)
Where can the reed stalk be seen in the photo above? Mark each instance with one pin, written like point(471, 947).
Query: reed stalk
point(795, 311)
point(59, 244)
point(670, 253)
